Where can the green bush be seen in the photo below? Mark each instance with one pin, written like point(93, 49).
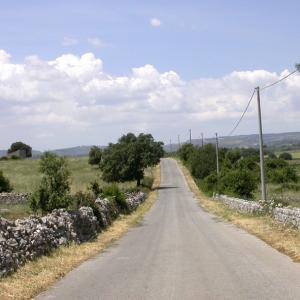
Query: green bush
point(283, 175)
point(112, 191)
point(54, 188)
point(95, 188)
point(186, 151)
point(5, 185)
point(286, 156)
point(95, 156)
point(239, 183)
point(209, 184)
point(147, 182)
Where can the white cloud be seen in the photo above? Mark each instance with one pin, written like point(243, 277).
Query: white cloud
point(73, 101)
point(155, 22)
point(96, 42)
point(69, 41)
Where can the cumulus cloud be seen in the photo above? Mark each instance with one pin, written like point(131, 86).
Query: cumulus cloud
point(155, 22)
point(96, 42)
point(73, 101)
point(69, 41)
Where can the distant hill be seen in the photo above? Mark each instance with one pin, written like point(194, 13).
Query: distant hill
point(73, 151)
point(274, 141)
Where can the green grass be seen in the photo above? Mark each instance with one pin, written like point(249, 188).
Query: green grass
point(25, 177)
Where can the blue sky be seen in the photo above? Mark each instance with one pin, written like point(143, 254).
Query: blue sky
point(196, 38)
point(98, 69)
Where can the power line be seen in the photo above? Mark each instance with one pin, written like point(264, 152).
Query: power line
point(242, 116)
point(281, 79)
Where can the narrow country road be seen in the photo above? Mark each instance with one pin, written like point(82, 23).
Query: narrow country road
point(181, 252)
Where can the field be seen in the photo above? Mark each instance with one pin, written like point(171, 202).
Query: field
point(25, 177)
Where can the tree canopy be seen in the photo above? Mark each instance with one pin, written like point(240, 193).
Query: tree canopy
point(95, 156)
point(20, 146)
point(127, 159)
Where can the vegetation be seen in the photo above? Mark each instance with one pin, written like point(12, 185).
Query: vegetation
point(4, 184)
point(240, 172)
point(54, 188)
point(95, 156)
point(20, 146)
point(128, 159)
point(286, 156)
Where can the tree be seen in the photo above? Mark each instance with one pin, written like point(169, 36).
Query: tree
point(286, 156)
point(95, 156)
point(4, 184)
point(186, 151)
point(127, 159)
point(20, 146)
point(298, 67)
point(54, 188)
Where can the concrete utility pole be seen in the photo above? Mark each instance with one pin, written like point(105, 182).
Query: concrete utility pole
point(179, 142)
point(261, 150)
point(191, 136)
point(217, 154)
point(202, 139)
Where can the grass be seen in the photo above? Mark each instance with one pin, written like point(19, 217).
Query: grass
point(36, 276)
point(285, 239)
point(25, 177)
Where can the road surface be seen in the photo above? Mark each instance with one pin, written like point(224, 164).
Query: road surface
point(181, 252)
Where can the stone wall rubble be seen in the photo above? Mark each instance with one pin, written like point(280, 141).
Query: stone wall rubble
point(29, 238)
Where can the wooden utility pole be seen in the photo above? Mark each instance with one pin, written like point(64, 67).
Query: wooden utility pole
point(202, 139)
point(261, 149)
point(217, 154)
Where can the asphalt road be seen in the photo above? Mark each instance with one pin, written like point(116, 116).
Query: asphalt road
point(181, 252)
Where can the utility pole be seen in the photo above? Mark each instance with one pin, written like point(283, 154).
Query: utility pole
point(217, 154)
point(202, 139)
point(261, 150)
point(191, 136)
point(179, 142)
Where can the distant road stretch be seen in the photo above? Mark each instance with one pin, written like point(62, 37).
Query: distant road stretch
point(181, 252)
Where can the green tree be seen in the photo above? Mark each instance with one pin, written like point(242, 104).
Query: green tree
point(286, 156)
point(186, 151)
point(239, 183)
point(54, 188)
point(4, 184)
point(127, 159)
point(20, 146)
point(95, 156)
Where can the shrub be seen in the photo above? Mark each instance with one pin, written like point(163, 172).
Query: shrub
point(112, 191)
point(209, 184)
point(95, 156)
point(15, 157)
point(54, 188)
point(203, 161)
point(95, 188)
point(4, 184)
point(186, 151)
point(147, 182)
point(4, 158)
point(286, 156)
point(239, 183)
point(283, 175)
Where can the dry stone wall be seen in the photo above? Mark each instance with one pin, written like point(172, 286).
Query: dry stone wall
point(286, 215)
point(29, 238)
point(243, 206)
point(13, 198)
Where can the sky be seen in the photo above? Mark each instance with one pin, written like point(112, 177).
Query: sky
point(86, 72)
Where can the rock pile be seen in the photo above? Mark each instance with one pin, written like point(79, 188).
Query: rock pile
point(26, 239)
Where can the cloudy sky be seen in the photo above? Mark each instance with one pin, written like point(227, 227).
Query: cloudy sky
point(85, 72)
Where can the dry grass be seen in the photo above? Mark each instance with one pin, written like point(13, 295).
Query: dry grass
point(35, 277)
point(282, 238)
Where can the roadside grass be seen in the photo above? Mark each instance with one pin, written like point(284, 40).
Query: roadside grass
point(285, 239)
point(36, 276)
point(14, 211)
